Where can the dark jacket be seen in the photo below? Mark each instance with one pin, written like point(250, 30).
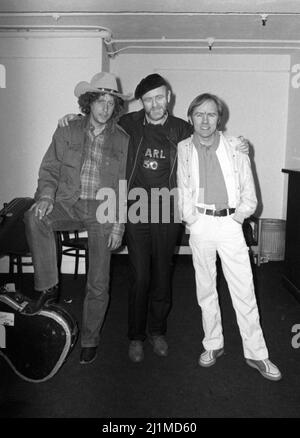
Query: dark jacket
point(176, 130)
point(59, 174)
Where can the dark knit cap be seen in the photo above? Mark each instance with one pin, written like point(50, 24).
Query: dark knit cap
point(149, 83)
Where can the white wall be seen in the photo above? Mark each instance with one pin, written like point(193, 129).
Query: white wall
point(40, 77)
point(255, 88)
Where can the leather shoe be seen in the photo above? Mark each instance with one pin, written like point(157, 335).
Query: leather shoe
point(48, 296)
point(88, 355)
point(160, 345)
point(136, 351)
point(209, 357)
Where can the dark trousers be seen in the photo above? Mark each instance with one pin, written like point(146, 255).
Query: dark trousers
point(41, 240)
point(150, 249)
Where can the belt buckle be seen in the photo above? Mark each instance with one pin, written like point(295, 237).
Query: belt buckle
point(220, 213)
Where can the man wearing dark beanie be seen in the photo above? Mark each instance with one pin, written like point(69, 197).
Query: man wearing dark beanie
point(151, 163)
point(149, 83)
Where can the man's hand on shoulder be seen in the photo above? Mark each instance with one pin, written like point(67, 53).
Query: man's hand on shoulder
point(64, 121)
point(243, 146)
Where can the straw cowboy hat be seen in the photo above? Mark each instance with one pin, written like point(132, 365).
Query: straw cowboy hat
point(101, 82)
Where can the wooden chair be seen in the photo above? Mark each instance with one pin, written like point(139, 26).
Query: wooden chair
point(73, 245)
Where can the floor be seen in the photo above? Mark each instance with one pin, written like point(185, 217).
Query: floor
point(172, 387)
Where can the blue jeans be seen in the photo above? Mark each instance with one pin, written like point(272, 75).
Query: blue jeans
point(42, 244)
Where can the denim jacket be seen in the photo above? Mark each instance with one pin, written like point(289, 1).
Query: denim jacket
point(59, 174)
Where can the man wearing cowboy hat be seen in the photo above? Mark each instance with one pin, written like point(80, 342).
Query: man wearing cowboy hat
point(82, 158)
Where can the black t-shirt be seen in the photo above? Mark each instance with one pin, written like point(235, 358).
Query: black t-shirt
point(153, 167)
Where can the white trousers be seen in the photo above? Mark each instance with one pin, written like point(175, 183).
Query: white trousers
point(210, 235)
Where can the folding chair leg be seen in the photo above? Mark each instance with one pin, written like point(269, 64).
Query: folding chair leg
point(11, 265)
point(58, 251)
point(86, 262)
point(76, 263)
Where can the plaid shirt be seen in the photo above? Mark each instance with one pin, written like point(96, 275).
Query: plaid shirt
point(89, 175)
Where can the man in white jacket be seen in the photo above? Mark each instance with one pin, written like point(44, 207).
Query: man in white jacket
point(216, 194)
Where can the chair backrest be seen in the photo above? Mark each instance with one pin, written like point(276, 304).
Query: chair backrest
point(69, 236)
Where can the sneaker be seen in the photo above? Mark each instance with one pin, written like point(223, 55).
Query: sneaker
point(88, 355)
point(160, 345)
point(209, 357)
point(136, 351)
point(266, 368)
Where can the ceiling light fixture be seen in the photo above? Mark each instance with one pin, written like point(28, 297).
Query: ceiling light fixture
point(264, 18)
point(210, 42)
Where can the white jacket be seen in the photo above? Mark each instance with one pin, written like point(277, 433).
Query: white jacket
point(236, 169)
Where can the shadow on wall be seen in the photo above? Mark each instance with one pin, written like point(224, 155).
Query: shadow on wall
point(259, 207)
point(222, 127)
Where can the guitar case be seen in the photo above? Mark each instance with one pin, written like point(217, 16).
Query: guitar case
point(34, 342)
